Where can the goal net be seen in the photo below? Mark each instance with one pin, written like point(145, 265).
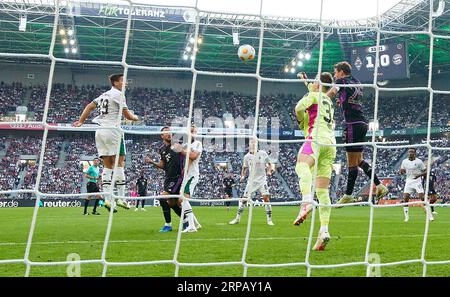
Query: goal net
point(197, 19)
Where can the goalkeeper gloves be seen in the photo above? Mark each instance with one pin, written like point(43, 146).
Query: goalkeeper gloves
point(302, 75)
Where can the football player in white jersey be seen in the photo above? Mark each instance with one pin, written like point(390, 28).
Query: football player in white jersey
point(192, 178)
point(414, 169)
point(255, 162)
point(110, 105)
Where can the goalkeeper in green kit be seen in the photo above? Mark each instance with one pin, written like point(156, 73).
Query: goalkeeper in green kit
point(318, 126)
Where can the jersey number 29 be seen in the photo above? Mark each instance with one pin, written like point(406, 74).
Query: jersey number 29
point(104, 106)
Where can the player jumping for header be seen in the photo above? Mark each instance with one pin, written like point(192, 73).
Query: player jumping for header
point(112, 105)
point(355, 129)
point(317, 124)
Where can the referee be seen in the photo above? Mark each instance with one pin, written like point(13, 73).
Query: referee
point(141, 185)
point(92, 174)
point(228, 183)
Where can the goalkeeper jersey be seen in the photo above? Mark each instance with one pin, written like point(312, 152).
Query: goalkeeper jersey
point(315, 121)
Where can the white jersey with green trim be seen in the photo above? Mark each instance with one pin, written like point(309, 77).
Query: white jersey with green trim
point(109, 105)
point(194, 170)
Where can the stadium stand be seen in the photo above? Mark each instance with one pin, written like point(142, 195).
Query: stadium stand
point(62, 167)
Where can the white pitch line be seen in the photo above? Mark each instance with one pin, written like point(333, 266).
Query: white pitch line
point(212, 239)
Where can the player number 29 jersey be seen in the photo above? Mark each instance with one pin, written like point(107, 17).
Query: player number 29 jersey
point(109, 106)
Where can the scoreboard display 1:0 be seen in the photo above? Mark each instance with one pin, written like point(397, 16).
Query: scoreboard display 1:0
point(392, 62)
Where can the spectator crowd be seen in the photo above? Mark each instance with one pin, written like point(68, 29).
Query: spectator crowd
point(62, 169)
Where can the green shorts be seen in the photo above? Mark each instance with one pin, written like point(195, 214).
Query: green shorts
point(122, 148)
point(190, 186)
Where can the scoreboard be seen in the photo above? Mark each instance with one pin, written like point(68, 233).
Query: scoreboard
point(392, 62)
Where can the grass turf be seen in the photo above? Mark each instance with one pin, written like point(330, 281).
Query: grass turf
point(135, 237)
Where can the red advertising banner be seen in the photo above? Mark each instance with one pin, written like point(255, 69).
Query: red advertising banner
point(25, 126)
point(396, 201)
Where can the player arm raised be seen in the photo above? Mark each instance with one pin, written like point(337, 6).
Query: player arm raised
point(85, 114)
point(193, 154)
point(302, 75)
point(93, 105)
point(332, 92)
point(159, 165)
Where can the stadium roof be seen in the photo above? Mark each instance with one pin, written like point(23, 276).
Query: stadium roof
point(100, 35)
point(306, 9)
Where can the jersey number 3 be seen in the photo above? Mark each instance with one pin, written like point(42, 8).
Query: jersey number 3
point(104, 106)
point(328, 110)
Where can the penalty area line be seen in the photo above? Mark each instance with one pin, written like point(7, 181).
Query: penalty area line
point(212, 239)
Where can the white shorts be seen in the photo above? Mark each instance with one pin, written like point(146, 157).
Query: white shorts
point(107, 140)
point(414, 187)
point(262, 187)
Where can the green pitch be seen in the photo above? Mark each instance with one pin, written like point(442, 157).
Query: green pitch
point(135, 237)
